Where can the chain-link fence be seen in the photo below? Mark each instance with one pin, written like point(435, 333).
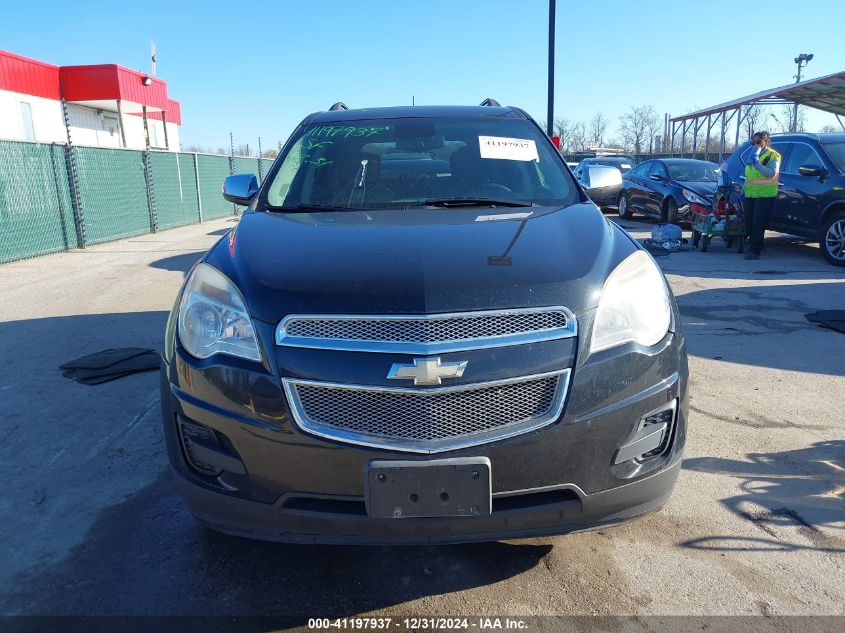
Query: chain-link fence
point(57, 197)
point(36, 215)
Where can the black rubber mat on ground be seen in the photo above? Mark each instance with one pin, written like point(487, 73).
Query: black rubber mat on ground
point(110, 364)
point(833, 319)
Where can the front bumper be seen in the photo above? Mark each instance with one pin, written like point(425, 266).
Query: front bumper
point(296, 487)
point(561, 513)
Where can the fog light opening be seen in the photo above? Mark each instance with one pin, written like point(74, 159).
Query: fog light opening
point(664, 417)
point(194, 438)
point(653, 437)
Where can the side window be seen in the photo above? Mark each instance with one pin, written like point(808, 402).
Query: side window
point(659, 169)
point(641, 170)
point(284, 178)
point(801, 155)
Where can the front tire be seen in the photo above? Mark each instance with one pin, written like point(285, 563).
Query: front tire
point(670, 212)
point(624, 207)
point(833, 238)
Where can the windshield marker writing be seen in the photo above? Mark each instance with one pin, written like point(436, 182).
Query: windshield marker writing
point(331, 131)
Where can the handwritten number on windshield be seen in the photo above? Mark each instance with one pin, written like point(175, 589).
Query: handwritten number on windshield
point(332, 131)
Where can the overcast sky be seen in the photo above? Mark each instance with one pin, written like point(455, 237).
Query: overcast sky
point(257, 68)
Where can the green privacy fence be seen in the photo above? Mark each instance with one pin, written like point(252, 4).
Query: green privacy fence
point(57, 197)
point(112, 193)
point(36, 214)
point(174, 182)
point(213, 170)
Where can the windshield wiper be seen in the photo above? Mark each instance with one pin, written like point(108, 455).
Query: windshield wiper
point(308, 207)
point(475, 202)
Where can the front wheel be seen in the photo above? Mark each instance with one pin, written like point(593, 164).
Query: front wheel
point(670, 212)
point(624, 207)
point(833, 238)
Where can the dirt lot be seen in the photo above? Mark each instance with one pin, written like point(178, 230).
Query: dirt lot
point(92, 524)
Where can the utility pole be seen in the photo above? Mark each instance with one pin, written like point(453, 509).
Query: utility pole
point(551, 110)
point(802, 60)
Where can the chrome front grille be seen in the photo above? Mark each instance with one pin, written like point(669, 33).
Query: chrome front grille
point(426, 334)
point(427, 420)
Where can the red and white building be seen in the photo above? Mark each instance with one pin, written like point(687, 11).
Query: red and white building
point(106, 105)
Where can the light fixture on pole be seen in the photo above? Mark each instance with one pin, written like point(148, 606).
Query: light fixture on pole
point(802, 60)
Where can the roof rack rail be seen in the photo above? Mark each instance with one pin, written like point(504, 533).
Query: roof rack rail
point(491, 102)
point(340, 105)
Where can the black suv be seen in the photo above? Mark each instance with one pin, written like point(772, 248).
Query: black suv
point(422, 330)
point(811, 199)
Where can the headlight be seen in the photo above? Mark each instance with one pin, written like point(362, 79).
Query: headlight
point(213, 318)
point(634, 305)
point(694, 197)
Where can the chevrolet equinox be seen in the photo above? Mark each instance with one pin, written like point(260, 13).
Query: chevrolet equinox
point(422, 330)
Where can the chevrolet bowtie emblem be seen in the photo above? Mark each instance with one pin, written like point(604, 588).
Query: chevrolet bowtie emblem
point(427, 371)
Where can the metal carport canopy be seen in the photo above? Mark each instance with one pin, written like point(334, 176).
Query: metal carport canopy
point(823, 93)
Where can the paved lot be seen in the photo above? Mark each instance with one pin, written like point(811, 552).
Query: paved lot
point(91, 524)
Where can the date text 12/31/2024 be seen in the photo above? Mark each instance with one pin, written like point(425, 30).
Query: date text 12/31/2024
point(418, 623)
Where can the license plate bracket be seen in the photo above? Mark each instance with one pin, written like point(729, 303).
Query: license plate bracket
point(455, 487)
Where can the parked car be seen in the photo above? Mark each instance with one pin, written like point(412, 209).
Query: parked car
point(811, 194)
point(664, 189)
point(421, 330)
point(601, 182)
point(623, 163)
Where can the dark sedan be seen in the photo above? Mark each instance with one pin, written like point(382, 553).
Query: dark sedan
point(422, 330)
point(666, 189)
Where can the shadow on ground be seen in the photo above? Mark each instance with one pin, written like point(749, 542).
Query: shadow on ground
point(785, 256)
point(148, 556)
point(181, 263)
point(802, 489)
point(765, 326)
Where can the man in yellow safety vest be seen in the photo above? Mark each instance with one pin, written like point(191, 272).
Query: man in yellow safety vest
point(762, 168)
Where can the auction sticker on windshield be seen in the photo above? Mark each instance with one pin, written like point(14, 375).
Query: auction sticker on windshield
point(508, 148)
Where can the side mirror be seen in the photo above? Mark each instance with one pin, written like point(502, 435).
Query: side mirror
point(812, 170)
point(240, 188)
point(596, 177)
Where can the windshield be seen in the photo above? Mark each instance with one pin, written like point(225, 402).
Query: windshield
point(693, 172)
point(400, 163)
point(836, 151)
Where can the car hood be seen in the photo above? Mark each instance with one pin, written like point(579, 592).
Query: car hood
point(706, 189)
point(420, 261)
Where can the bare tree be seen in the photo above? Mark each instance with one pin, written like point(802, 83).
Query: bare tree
point(639, 127)
point(827, 129)
point(562, 128)
point(578, 137)
point(615, 143)
point(787, 121)
point(754, 118)
point(598, 126)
